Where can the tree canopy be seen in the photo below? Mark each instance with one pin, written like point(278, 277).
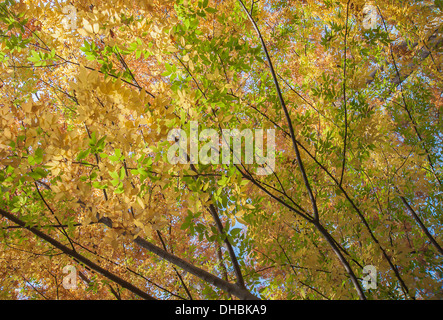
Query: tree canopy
point(90, 91)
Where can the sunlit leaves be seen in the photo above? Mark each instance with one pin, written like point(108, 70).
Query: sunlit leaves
point(85, 114)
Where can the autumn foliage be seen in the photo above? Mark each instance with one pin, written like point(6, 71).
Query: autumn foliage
point(87, 99)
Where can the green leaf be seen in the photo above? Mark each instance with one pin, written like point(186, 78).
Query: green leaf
point(93, 140)
point(235, 231)
point(122, 173)
point(98, 185)
point(119, 188)
point(38, 173)
point(83, 154)
point(38, 155)
point(211, 10)
point(114, 174)
point(31, 160)
point(100, 145)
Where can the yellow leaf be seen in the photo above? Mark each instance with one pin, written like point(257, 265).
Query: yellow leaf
point(96, 27)
point(147, 229)
point(82, 32)
point(191, 65)
point(87, 26)
point(241, 220)
point(172, 49)
point(114, 244)
point(140, 202)
point(27, 107)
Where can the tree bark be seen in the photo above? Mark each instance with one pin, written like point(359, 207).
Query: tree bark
point(78, 256)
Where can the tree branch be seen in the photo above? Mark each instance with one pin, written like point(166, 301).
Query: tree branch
point(78, 256)
point(288, 117)
point(235, 290)
point(344, 97)
point(422, 226)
